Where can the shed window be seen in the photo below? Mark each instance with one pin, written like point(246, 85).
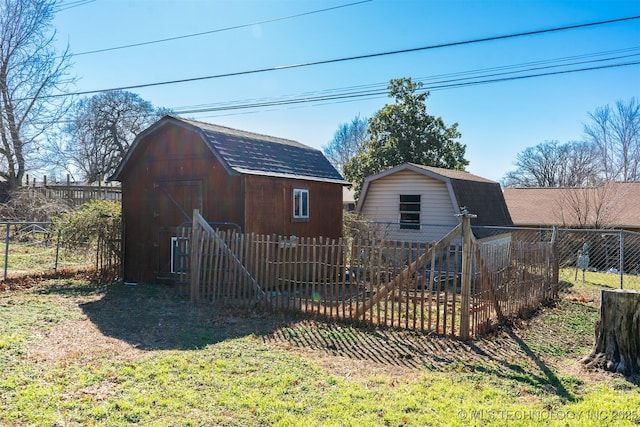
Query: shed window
point(410, 211)
point(300, 203)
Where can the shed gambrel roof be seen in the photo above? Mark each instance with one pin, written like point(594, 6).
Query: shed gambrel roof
point(479, 195)
point(247, 153)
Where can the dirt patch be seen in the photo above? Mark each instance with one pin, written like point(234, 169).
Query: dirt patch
point(78, 339)
point(23, 280)
point(352, 352)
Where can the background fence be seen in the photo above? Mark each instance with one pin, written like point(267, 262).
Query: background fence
point(610, 258)
point(75, 194)
point(454, 286)
point(32, 248)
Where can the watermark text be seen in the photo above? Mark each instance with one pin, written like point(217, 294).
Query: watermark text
point(549, 415)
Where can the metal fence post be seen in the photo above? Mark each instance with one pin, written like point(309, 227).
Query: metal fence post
point(6, 251)
point(621, 257)
point(55, 267)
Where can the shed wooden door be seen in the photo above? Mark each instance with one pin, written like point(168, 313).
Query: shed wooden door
point(175, 202)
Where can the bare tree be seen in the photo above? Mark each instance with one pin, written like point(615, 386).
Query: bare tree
point(616, 133)
point(30, 71)
point(552, 164)
point(100, 131)
point(347, 142)
point(588, 207)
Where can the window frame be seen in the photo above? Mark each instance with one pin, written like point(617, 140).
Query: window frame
point(407, 207)
point(300, 203)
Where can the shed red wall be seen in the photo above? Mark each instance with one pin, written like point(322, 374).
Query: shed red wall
point(168, 157)
point(269, 207)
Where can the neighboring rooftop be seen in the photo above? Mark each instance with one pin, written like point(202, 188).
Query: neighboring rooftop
point(616, 204)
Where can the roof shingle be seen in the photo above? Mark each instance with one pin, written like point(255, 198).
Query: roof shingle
point(617, 204)
point(255, 154)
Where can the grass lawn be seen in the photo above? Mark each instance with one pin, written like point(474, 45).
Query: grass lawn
point(74, 353)
point(38, 256)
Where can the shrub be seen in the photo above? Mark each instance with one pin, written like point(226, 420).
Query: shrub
point(357, 226)
point(94, 220)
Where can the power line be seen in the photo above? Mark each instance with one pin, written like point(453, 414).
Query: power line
point(381, 88)
point(219, 30)
point(379, 94)
point(551, 73)
point(374, 93)
point(431, 83)
point(351, 58)
point(64, 6)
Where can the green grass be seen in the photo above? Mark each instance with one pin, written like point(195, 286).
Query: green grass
point(36, 255)
point(157, 360)
point(598, 279)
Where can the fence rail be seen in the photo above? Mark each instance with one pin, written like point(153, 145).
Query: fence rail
point(75, 194)
point(604, 257)
point(421, 286)
point(32, 248)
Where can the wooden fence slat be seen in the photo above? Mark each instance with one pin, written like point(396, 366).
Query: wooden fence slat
point(357, 272)
point(454, 295)
point(342, 269)
point(314, 276)
point(412, 294)
point(325, 289)
point(240, 288)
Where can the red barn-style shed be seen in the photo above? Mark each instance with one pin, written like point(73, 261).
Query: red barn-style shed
point(264, 184)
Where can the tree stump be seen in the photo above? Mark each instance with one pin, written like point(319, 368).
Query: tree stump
point(617, 333)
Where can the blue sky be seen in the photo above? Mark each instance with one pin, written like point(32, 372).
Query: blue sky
point(497, 120)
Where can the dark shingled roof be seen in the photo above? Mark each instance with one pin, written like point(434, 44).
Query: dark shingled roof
point(254, 154)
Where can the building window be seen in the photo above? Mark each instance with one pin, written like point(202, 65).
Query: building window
point(410, 212)
point(300, 203)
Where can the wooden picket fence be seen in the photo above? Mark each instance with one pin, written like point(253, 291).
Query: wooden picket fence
point(442, 287)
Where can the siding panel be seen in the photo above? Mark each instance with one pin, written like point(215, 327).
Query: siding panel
point(383, 197)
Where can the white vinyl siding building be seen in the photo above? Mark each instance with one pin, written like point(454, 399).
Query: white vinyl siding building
point(390, 197)
point(436, 209)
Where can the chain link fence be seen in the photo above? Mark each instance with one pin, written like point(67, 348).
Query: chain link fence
point(604, 257)
point(607, 257)
point(32, 248)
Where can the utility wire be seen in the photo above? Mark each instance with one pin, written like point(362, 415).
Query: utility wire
point(374, 93)
point(430, 83)
point(219, 30)
point(478, 73)
point(351, 58)
point(368, 94)
point(71, 5)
